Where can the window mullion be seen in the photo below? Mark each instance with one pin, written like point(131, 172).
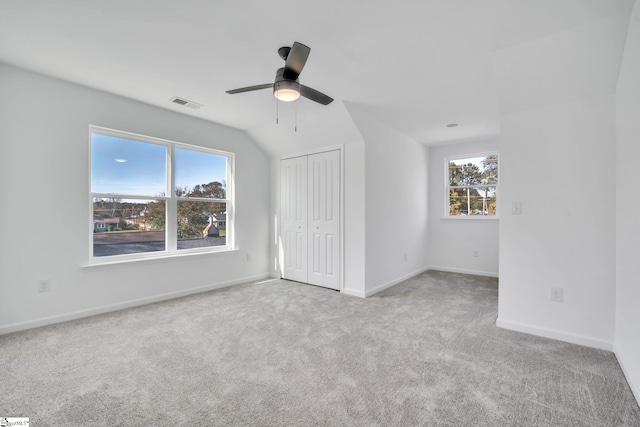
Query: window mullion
point(202, 199)
point(172, 204)
point(125, 196)
point(229, 208)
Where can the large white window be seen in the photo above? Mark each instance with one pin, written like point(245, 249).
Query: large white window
point(152, 197)
point(472, 186)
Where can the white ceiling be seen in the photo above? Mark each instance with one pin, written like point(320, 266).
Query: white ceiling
point(416, 65)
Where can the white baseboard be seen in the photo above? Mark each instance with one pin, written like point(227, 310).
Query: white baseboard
point(43, 321)
point(464, 271)
point(354, 292)
point(394, 282)
point(379, 288)
point(555, 334)
point(633, 385)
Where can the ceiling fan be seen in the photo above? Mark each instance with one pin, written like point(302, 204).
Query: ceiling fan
point(286, 86)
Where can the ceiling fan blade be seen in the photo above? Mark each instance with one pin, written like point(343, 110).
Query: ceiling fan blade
point(250, 88)
point(295, 61)
point(314, 95)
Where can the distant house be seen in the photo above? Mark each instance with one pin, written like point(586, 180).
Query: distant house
point(220, 221)
point(103, 224)
point(217, 224)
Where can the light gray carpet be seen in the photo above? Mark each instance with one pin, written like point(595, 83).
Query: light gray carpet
point(425, 352)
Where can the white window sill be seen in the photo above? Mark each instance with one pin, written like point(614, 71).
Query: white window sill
point(121, 261)
point(470, 218)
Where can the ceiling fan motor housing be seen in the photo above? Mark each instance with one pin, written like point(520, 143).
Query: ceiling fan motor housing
point(285, 89)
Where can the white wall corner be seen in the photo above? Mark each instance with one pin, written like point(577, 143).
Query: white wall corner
point(391, 283)
point(626, 370)
point(627, 300)
point(354, 292)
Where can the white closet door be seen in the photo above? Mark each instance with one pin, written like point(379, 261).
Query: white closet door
point(324, 219)
point(293, 218)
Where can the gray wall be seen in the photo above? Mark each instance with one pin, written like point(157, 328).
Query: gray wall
point(45, 204)
point(627, 340)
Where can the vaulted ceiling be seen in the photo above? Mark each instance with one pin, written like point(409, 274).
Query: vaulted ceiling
point(416, 65)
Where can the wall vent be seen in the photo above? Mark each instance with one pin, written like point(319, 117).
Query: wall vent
point(186, 103)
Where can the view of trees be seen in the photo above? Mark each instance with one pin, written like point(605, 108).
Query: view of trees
point(193, 215)
point(472, 186)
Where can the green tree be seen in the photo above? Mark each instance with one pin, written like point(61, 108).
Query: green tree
point(155, 215)
point(467, 175)
point(490, 169)
point(212, 190)
point(192, 219)
point(193, 216)
point(489, 177)
point(454, 202)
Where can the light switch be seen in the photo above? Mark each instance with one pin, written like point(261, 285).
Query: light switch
point(516, 208)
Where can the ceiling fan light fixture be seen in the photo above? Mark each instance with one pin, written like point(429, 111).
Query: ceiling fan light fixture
point(286, 91)
point(286, 86)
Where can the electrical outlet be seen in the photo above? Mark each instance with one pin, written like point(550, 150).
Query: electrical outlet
point(556, 294)
point(44, 285)
point(476, 253)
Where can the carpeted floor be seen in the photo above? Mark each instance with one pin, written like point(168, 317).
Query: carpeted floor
point(278, 353)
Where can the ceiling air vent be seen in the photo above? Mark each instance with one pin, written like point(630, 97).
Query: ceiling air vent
point(186, 103)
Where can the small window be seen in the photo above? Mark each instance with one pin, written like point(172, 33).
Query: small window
point(151, 196)
point(472, 186)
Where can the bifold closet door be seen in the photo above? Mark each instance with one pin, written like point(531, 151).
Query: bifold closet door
point(310, 219)
point(293, 218)
point(323, 224)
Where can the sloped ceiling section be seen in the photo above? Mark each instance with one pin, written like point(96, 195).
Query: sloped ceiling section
point(571, 65)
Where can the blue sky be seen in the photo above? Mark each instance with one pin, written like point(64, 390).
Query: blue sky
point(195, 167)
point(124, 166)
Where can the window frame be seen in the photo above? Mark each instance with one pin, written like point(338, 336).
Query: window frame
point(447, 187)
point(171, 200)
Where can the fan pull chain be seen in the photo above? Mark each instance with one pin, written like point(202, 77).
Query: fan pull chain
point(295, 126)
point(277, 111)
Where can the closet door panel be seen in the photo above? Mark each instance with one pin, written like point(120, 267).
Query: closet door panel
point(293, 221)
point(323, 223)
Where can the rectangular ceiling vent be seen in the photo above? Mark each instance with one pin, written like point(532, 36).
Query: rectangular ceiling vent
point(186, 103)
